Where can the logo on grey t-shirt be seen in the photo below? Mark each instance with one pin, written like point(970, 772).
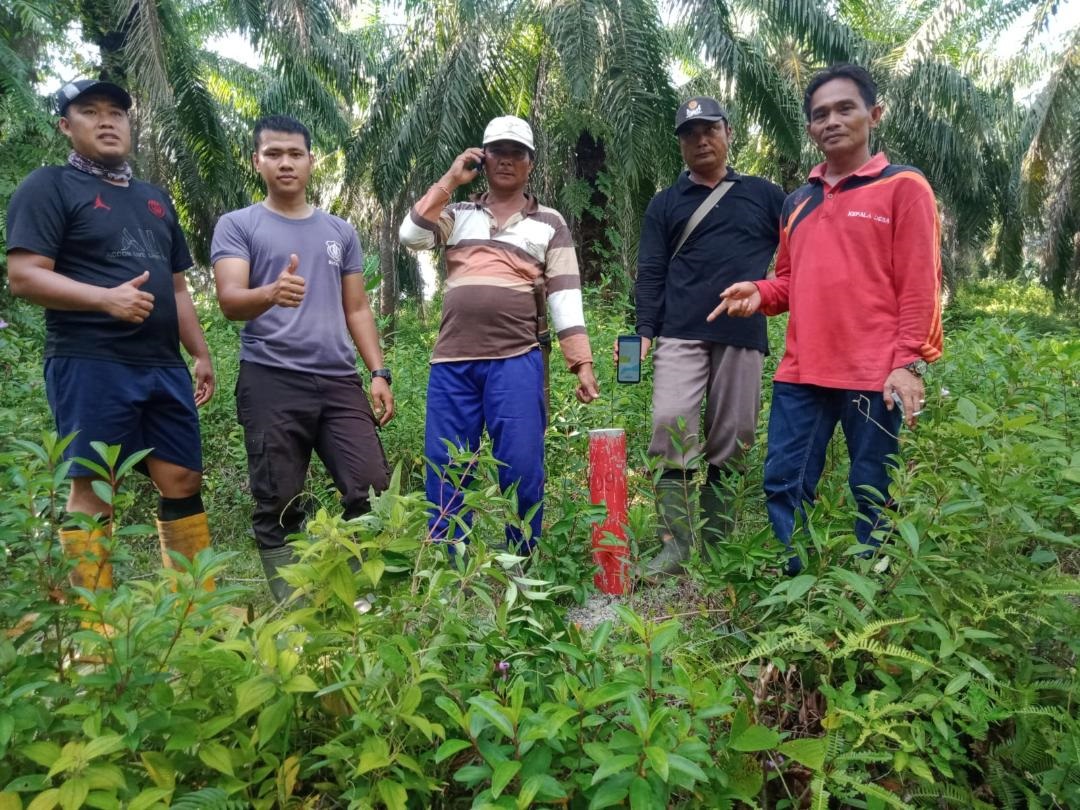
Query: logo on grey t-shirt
point(334, 251)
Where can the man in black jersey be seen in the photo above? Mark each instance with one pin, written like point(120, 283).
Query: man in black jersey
point(104, 254)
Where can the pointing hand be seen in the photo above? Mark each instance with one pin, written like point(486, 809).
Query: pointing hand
point(740, 300)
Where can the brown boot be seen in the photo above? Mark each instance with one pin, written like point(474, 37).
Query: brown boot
point(188, 535)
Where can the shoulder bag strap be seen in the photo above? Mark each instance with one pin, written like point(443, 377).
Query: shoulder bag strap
point(703, 209)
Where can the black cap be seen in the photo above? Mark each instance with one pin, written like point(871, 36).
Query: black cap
point(699, 108)
point(72, 90)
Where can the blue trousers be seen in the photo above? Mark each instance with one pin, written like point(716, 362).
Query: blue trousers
point(507, 397)
point(801, 424)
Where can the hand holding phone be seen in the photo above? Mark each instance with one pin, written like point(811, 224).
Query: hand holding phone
point(466, 167)
point(628, 359)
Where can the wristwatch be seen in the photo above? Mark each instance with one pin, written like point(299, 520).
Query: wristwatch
point(384, 373)
point(917, 367)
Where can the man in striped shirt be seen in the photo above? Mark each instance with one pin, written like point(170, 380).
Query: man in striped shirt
point(487, 369)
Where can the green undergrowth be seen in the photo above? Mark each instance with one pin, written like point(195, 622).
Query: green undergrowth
point(939, 672)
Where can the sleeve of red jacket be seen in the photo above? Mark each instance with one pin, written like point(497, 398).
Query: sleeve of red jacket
point(917, 276)
point(774, 291)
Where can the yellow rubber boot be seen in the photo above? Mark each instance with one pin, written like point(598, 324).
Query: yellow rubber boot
point(188, 535)
point(93, 570)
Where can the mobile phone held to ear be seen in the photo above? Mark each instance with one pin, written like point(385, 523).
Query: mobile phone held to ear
point(478, 166)
point(629, 362)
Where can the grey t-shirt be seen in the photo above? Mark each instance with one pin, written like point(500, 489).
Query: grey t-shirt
point(313, 337)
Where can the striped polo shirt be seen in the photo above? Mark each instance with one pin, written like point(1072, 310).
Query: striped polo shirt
point(489, 310)
point(859, 267)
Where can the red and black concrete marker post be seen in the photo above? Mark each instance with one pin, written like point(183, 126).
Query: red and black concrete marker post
point(607, 485)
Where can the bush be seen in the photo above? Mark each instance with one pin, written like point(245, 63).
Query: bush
point(939, 672)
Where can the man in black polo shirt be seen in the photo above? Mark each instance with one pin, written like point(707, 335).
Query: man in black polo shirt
point(679, 276)
point(103, 253)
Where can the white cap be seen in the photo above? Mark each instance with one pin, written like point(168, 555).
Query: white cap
point(509, 128)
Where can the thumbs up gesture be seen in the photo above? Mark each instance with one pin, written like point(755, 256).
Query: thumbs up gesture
point(127, 302)
point(288, 290)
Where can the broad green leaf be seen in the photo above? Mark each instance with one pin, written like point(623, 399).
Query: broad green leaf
point(393, 794)
point(609, 794)
point(504, 773)
point(46, 800)
point(664, 636)
point(453, 711)
point(216, 756)
point(642, 796)
point(471, 774)
point(374, 754)
point(756, 738)
point(808, 751)
point(7, 728)
point(607, 693)
point(745, 776)
point(910, 535)
point(451, 747)
point(921, 769)
point(42, 753)
point(658, 758)
point(957, 683)
point(105, 744)
point(639, 715)
point(71, 756)
point(300, 683)
point(271, 719)
point(102, 490)
point(73, 793)
point(160, 768)
point(568, 650)
point(493, 712)
point(613, 765)
point(677, 762)
point(253, 694)
point(799, 586)
point(373, 570)
point(150, 797)
point(528, 792)
point(104, 776)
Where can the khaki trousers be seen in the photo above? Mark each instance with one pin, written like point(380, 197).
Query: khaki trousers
point(728, 378)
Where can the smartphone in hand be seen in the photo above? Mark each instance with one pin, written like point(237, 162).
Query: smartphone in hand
point(629, 359)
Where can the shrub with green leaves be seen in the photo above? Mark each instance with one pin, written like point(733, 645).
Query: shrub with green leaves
point(938, 672)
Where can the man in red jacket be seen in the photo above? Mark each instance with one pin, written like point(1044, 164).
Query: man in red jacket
point(859, 269)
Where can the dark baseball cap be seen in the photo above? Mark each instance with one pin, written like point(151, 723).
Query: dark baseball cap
point(81, 87)
point(699, 108)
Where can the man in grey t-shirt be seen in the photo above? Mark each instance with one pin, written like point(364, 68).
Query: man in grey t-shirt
point(295, 274)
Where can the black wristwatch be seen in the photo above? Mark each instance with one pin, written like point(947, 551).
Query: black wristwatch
point(917, 367)
point(384, 373)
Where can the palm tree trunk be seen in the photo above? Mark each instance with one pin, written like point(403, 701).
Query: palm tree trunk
point(590, 162)
point(388, 289)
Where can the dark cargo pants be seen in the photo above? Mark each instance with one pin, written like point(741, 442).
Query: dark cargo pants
point(287, 414)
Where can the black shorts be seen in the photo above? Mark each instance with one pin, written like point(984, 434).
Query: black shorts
point(136, 407)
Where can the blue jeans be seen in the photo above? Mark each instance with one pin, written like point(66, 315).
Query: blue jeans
point(506, 396)
point(801, 424)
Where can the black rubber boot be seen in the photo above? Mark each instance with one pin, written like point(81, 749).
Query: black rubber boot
point(272, 560)
point(673, 509)
point(716, 512)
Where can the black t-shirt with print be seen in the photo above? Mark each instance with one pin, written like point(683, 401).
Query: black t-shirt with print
point(104, 235)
